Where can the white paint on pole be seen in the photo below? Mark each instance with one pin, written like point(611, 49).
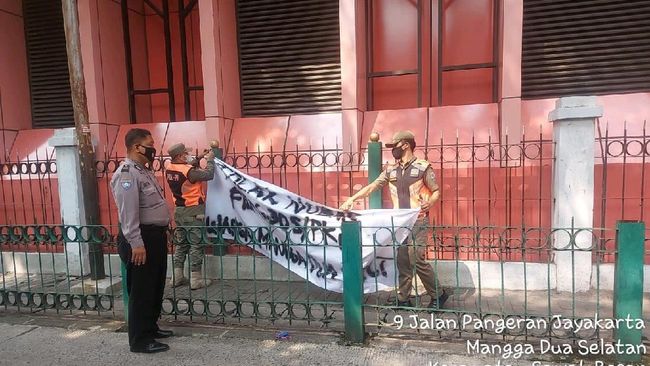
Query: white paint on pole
point(71, 196)
point(573, 189)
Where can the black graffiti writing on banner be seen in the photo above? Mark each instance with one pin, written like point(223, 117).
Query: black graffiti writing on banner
point(230, 173)
point(260, 192)
point(264, 193)
point(320, 226)
point(301, 227)
point(299, 206)
point(227, 224)
point(375, 272)
point(323, 270)
point(262, 236)
point(236, 229)
point(237, 196)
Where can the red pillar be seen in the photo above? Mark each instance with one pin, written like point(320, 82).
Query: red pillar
point(353, 71)
point(512, 13)
point(219, 59)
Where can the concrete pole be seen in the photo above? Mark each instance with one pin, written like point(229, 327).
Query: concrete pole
point(86, 153)
point(573, 189)
point(71, 196)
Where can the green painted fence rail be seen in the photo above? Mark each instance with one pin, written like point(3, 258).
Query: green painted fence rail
point(41, 273)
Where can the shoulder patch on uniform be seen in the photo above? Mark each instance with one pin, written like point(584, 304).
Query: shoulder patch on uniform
point(126, 185)
point(125, 168)
point(421, 164)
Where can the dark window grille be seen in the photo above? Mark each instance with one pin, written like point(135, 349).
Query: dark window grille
point(430, 15)
point(47, 61)
point(578, 47)
point(289, 56)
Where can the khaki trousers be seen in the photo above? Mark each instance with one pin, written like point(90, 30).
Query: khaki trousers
point(411, 260)
point(188, 236)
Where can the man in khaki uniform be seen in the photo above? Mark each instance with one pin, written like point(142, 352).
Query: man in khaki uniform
point(185, 178)
point(412, 184)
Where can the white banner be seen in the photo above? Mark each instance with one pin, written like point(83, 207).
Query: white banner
point(300, 234)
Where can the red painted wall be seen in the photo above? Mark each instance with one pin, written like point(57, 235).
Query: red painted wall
point(622, 185)
point(15, 113)
point(514, 196)
point(113, 70)
point(619, 111)
point(394, 41)
point(157, 67)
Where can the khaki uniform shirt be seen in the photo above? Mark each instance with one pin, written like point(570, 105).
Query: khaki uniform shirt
point(139, 199)
point(408, 183)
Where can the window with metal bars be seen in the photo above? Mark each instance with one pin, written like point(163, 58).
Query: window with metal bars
point(47, 61)
point(289, 56)
point(431, 52)
point(585, 47)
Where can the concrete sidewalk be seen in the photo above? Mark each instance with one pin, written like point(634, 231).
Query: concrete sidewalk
point(75, 340)
point(31, 339)
point(302, 305)
point(72, 340)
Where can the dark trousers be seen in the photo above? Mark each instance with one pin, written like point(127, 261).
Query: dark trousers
point(145, 283)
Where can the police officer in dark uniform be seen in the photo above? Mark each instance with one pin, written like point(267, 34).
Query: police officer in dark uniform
point(142, 241)
point(412, 184)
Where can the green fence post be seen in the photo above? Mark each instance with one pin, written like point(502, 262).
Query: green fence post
point(352, 282)
point(628, 284)
point(125, 292)
point(216, 150)
point(374, 168)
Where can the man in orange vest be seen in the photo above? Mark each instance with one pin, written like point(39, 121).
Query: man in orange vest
point(185, 178)
point(412, 184)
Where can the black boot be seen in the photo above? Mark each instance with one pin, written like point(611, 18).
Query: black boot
point(439, 302)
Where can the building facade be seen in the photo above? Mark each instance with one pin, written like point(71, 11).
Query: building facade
point(297, 76)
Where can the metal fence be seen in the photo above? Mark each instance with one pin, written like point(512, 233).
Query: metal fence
point(622, 186)
point(484, 180)
point(43, 269)
point(29, 191)
point(325, 175)
point(498, 297)
point(492, 182)
point(42, 272)
point(494, 298)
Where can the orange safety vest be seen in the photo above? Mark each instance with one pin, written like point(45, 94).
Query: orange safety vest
point(185, 192)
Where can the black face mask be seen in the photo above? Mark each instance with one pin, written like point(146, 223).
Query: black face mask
point(397, 152)
point(149, 153)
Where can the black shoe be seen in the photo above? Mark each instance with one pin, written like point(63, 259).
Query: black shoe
point(439, 302)
point(152, 347)
point(163, 333)
point(404, 304)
